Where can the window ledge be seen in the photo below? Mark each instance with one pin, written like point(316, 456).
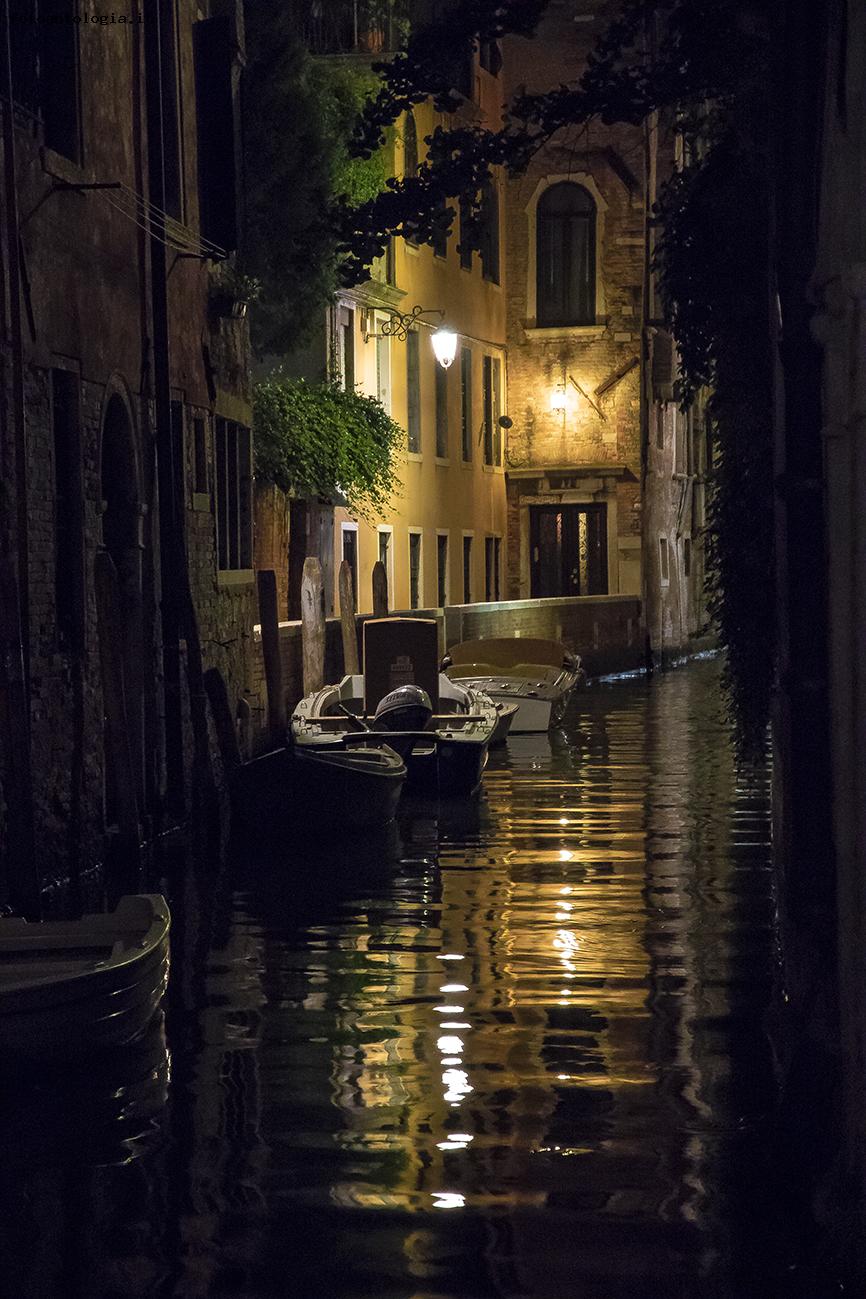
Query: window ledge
point(467, 464)
point(236, 577)
point(415, 456)
point(443, 461)
point(565, 331)
point(492, 469)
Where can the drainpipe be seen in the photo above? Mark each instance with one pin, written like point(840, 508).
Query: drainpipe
point(169, 513)
point(23, 883)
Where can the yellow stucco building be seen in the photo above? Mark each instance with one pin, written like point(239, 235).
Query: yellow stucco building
point(443, 539)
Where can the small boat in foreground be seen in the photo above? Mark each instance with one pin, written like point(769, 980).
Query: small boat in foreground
point(337, 782)
point(69, 989)
point(537, 675)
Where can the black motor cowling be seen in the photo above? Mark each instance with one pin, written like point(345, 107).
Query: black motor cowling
point(407, 708)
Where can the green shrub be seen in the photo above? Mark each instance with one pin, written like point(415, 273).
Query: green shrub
point(322, 440)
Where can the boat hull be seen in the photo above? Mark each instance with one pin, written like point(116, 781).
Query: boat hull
point(317, 787)
point(446, 767)
point(69, 989)
point(538, 676)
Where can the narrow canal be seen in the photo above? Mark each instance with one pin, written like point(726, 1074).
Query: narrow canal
point(518, 1052)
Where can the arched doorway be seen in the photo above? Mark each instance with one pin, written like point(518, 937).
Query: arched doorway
point(121, 538)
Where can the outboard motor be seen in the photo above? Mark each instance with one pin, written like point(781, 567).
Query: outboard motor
point(407, 708)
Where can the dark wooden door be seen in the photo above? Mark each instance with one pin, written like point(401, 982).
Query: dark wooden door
point(568, 550)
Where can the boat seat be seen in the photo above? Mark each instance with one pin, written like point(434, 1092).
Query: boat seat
point(501, 653)
point(474, 670)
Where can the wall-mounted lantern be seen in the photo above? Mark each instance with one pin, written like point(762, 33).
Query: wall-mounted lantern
point(399, 323)
point(559, 398)
point(444, 346)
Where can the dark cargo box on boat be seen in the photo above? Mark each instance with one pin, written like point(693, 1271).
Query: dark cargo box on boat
point(400, 652)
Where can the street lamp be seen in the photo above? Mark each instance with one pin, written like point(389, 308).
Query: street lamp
point(399, 323)
point(444, 346)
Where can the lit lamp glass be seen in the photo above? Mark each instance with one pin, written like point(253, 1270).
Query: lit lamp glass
point(445, 346)
point(557, 398)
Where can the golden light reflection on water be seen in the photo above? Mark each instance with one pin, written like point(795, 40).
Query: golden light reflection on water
point(527, 1022)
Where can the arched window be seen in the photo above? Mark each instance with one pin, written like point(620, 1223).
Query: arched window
point(565, 233)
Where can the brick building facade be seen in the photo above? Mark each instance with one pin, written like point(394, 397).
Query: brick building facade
point(126, 418)
point(604, 473)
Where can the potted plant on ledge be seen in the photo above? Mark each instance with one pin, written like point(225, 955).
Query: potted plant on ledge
point(231, 291)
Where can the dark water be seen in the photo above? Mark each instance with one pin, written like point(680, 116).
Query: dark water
point(519, 1051)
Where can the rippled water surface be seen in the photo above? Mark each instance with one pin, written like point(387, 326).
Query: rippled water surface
point(516, 1051)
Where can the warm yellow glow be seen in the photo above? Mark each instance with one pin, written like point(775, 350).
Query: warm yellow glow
point(445, 346)
point(558, 399)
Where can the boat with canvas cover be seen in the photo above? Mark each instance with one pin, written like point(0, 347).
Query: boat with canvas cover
point(440, 728)
point(70, 988)
point(537, 675)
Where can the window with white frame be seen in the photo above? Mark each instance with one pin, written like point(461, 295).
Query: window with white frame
point(413, 393)
point(442, 412)
point(492, 381)
point(349, 533)
point(415, 559)
point(466, 402)
point(467, 569)
point(346, 347)
point(383, 365)
point(385, 541)
point(441, 569)
point(491, 567)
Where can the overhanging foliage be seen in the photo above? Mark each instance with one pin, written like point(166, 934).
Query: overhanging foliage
point(705, 64)
point(299, 114)
point(321, 440)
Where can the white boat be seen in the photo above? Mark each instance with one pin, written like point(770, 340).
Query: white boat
point(71, 988)
point(537, 675)
point(445, 752)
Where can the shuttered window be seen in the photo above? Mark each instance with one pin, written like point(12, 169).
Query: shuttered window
point(413, 393)
point(466, 401)
point(441, 412)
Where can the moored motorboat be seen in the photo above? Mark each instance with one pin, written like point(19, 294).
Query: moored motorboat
point(445, 752)
point(69, 989)
point(537, 675)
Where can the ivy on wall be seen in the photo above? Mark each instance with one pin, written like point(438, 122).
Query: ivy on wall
point(324, 441)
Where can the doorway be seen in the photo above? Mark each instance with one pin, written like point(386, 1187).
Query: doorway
point(568, 550)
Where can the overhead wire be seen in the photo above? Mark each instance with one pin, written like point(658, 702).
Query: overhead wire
point(147, 217)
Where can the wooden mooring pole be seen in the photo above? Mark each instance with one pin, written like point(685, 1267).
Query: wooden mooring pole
point(313, 625)
point(270, 624)
point(380, 590)
point(351, 661)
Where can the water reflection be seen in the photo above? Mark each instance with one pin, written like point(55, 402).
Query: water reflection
point(514, 1051)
